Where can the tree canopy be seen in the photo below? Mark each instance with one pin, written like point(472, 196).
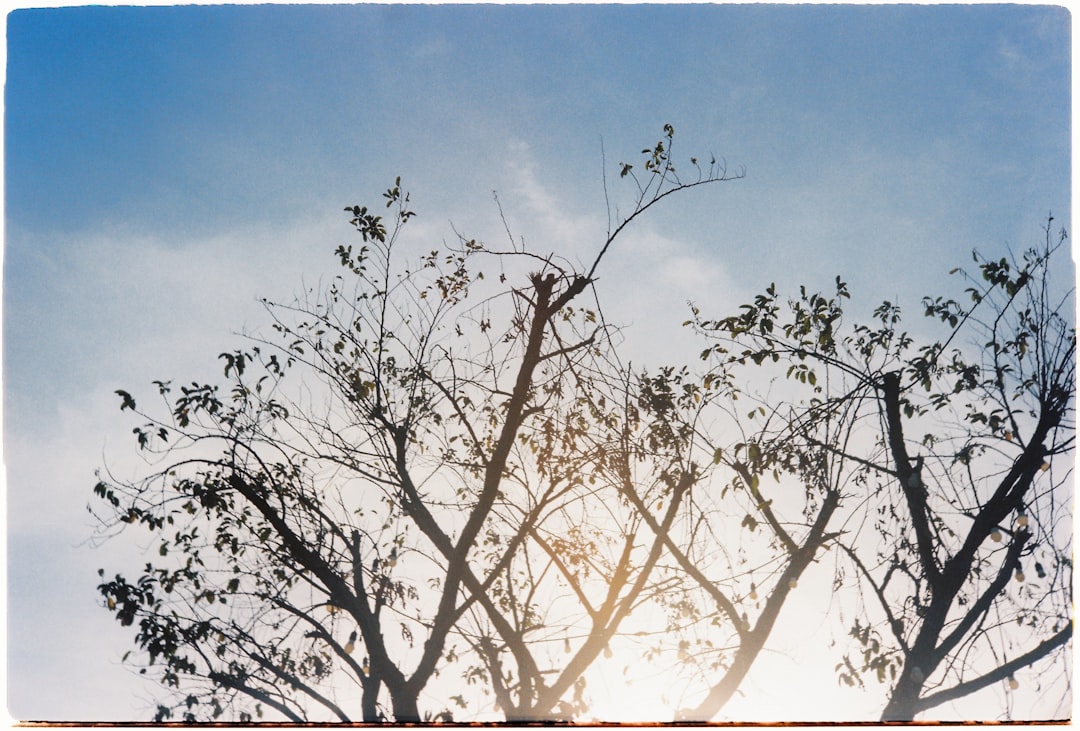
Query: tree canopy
point(437, 464)
point(955, 452)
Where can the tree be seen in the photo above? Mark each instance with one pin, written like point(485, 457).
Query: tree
point(421, 468)
point(399, 477)
point(956, 556)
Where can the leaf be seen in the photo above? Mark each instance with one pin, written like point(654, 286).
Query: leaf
point(127, 401)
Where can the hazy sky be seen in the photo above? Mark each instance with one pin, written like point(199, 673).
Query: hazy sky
point(165, 166)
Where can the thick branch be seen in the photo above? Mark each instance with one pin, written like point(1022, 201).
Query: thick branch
point(986, 600)
point(751, 641)
point(543, 309)
point(915, 493)
point(1000, 673)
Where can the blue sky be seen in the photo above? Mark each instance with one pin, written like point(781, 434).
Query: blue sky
point(165, 166)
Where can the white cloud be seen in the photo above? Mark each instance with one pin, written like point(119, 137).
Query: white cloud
point(548, 221)
point(124, 310)
point(60, 636)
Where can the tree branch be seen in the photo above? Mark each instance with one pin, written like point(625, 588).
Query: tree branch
point(228, 681)
point(763, 506)
point(1000, 673)
point(915, 494)
point(986, 600)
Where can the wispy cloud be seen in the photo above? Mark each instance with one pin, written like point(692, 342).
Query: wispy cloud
point(647, 277)
point(555, 224)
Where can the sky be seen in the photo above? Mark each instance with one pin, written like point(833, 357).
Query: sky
point(166, 166)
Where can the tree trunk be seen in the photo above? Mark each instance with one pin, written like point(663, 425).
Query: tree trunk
point(903, 701)
point(405, 708)
point(369, 702)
